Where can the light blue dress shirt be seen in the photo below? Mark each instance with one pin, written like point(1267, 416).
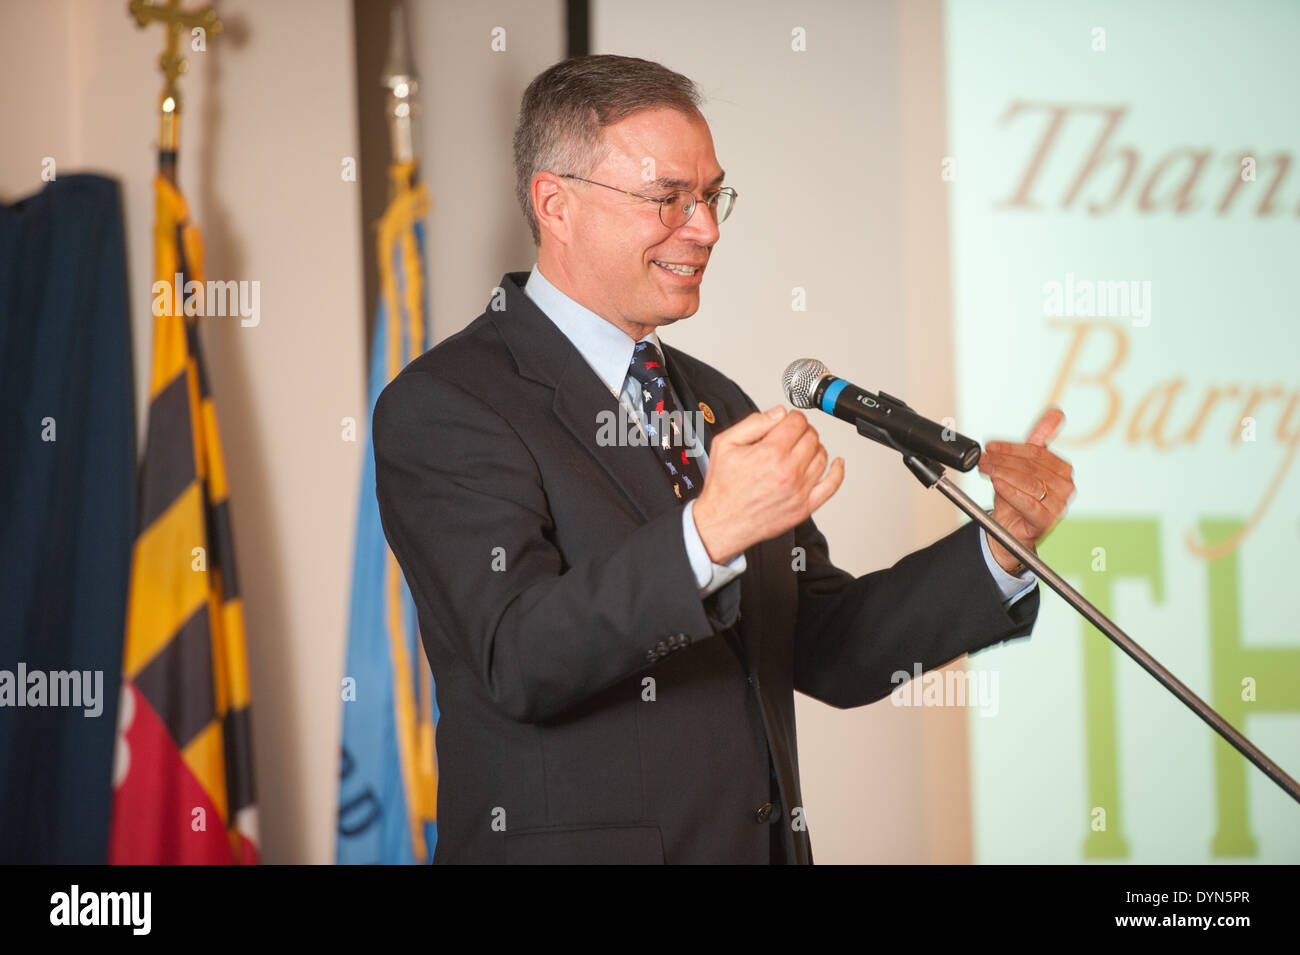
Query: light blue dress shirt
point(608, 350)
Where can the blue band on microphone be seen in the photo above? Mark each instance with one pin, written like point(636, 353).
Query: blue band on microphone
point(832, 392)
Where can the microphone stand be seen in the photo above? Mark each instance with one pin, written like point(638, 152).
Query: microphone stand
point(931, 474)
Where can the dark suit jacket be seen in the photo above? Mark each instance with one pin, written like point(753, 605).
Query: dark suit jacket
point(552, 744)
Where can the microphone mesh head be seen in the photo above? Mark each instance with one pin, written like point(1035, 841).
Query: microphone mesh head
point(800, 381)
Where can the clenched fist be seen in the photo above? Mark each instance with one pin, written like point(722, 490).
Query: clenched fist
point(767, 473)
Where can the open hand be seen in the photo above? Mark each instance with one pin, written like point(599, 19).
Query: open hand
point(1031, 485)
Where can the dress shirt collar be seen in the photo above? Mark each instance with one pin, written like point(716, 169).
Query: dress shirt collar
point(606, 347)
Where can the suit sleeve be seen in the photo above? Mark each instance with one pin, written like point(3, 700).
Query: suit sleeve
point(465, 513)
point(853, 634)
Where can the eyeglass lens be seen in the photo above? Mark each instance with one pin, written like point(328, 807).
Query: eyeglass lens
point(678, 207)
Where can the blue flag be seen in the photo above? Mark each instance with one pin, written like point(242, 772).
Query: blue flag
point(388, 774)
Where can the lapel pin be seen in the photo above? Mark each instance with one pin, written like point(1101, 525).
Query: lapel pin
point(707, 412)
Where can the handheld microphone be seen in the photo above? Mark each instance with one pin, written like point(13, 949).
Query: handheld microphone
point(880, 417)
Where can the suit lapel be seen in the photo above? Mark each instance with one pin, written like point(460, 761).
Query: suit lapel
point(693, 400)
point(679, 375)
point(581, 402)
point(544, 354)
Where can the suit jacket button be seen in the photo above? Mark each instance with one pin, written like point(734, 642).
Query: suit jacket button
point(764, 812)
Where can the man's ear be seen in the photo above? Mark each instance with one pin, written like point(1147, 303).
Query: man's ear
point(551, 205)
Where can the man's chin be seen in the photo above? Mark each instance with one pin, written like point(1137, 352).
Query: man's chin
point(681, 303)
point(670, 315)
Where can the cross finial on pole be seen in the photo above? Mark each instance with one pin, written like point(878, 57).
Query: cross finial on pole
point(172, 64)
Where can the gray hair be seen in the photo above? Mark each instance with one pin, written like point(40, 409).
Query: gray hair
point(565, 108)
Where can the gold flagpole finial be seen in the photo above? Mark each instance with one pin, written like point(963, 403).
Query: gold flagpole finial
point(172, 64)
point(401, 82)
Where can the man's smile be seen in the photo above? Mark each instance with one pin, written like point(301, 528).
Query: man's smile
point(684, 272)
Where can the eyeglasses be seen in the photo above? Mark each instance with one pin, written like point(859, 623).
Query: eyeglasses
point(676, 208)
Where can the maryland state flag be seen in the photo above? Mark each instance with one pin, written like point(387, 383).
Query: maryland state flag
point(182, 774)
point(388, 776)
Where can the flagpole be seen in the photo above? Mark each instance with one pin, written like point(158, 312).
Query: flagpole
point(172, 64)
point(185, 636)
point(401, 82)
point(390, 735)
point(408, 202)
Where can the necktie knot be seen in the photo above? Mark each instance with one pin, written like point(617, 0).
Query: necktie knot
point(647, 366)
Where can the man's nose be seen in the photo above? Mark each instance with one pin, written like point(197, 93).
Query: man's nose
point(702, 226)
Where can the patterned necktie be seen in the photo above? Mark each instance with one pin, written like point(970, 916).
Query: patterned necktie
point(663, 426)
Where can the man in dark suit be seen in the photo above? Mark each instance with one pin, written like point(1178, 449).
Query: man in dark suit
point(619, 582)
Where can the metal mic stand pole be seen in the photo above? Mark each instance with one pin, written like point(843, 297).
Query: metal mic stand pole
point(931, 475)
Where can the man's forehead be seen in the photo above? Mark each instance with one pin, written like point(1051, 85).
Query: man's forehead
point(666, 143)
point(669, 181)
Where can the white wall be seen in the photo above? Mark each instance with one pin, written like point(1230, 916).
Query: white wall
point(469, 96)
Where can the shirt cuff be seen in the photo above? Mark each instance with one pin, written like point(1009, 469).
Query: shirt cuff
point(709, 576)
point(1012, 587)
